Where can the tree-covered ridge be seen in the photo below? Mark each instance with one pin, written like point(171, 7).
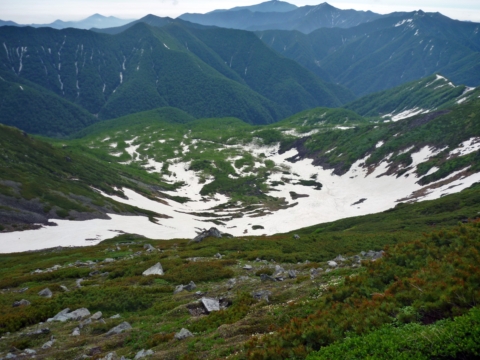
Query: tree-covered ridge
point(386, 52)
point(148, 67)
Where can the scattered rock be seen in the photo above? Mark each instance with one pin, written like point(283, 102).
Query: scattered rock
point(183, 334)
point(332, 263)
point(116, 316)
point(78, 283)
point(110, 356)
point(156, 269)
point(78, 314)
point(218, 256)
point(85, 323)
point(29, 351)
point(76, 332)
point(292, 274)
point(94, 351)
point(265, 277)
point(48, 344)
point(96, 316)
point(22, 302)
point(231, 283)
point(210, 304)
point(261, 295)
point(248, 267)
point(212, 232)
point(119, 329)
point(10, 356)
point(143, 353)
point(46, 293)
point(149, 247)
point(43, 331)
point(61, 316)
point(191, 286)
point(278, 271)
point(339, 258)
point(64, 288)
point(296, 237)
point(93, 273)
point(109, 260)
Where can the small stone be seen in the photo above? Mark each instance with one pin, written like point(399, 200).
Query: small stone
point(78, 283)
point(48, 344)
point(190, 287)
point(178, 289)
point(231, 283)
point(10, 356)
point(85, 323)
point(218, 256)
point(261, 295)
point(22, 302)
point(296, 236)
point(156, 269)
point(96, 316)
point(265, 277)
point(292, 274)
point(116, 316)
point(278, 271)
point(29, 351)
point(210, 304)
point(143, 353)
point(64, 288)
point(47, 293)
point(119, 329)
point(183, 334)
point(78, 314)
point(149, 247)
point(247, 267)
point(109, 260)
point(76, 332)
point(332, 263)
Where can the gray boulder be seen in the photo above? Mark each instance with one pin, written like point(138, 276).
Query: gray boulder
point(261, 295)
point(212, 232)
point(79, 314)
point(210, 304)
point(183, 334)
point(97, 316)
point(22, 302)
point(265, 277)
point(143, 354)
point(47, 293)
point(119, 329)
point(149, 247)
point(61, 316)
point(156, 269)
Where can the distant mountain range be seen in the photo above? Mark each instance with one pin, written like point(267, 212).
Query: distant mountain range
point(387, 52)
point(279, 16)
point(94, 21)
point(207, 72)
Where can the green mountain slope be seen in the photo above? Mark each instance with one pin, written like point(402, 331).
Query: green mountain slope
point(386, 52)
point(147, 67)
point(39, 182)
point(37, 111)
point(420, 96)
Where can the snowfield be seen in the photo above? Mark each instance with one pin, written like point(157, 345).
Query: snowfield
point(339, 198)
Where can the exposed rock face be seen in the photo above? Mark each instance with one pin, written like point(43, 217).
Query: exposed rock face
point(183, 334)
point(119, 329)
point(46, 293)
point(210, 304)
point(156, 269)
point(212, 232)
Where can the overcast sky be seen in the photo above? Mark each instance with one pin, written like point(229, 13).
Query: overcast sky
point(46, 11)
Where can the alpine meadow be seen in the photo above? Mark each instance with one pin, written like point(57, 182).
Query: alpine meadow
point(268, 181)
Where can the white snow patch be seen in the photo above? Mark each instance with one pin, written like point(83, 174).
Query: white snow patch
point(343, 127)
point(467, 147)
point(166, 46)
point(432, 170)
point(405, 21)
point(121, 78)
point(409, 113)
point(379, 144)
point(20, 86)
point(295, 133)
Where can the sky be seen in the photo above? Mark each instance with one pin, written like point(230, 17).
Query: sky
point(47, 11)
